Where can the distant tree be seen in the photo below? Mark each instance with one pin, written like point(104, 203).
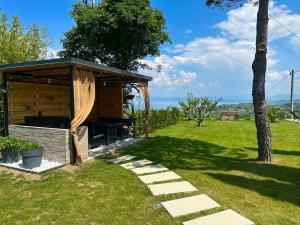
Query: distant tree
point(273, 114)
point(198, 109)
point(188, 106)
point(259, 67)
point(19, 44)
point(118, 33)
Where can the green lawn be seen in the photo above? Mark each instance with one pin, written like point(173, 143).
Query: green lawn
point(217, 158)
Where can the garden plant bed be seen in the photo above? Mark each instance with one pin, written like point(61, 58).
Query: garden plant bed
point(45, 166)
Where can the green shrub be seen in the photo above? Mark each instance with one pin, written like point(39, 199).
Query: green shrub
point(27, 146)
point(273, 114)
point(15, 144)
point(159, 118)
point(11, 143)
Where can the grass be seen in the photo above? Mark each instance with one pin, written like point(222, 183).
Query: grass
point(218, 158)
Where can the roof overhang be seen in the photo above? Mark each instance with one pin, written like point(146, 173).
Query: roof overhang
point(69, 61)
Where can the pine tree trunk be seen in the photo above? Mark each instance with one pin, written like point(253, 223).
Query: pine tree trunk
point(258, 89)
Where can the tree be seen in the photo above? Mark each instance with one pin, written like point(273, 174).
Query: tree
point(118, 33)
point(19, 44)
point(273, 114)
point(198, 109)
point(259, 67)
point(188, 106)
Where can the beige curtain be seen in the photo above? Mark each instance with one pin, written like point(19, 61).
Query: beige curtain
point(145, 91)
point(84, 98)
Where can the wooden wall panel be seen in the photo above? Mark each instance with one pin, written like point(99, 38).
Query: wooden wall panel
point(27, 99)
point(108, 103)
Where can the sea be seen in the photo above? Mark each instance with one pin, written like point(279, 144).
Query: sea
point(164, 102)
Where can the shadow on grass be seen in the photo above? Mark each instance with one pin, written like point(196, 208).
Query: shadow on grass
point(276, 190)
point(192, 154)
point(279, 152)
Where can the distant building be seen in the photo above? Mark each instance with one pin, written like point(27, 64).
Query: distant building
point(230, 115)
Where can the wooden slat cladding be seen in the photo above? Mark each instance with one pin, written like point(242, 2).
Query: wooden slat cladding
point(27, 99)
point(108, 103)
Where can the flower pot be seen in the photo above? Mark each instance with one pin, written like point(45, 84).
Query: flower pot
point(10, 156)
point(32, 158)
point(130, 97)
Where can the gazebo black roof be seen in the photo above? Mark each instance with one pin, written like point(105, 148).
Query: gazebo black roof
point(32, 65)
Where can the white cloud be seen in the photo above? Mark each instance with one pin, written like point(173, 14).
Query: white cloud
point(185, 79)
point(211, 85)
point(224, 61)
point(241, 22)
point(188, 31)
point(215, 54)
point(175, 49)
point(295, 41)
point(277, 75)
point(51, 53)
point(219, 56)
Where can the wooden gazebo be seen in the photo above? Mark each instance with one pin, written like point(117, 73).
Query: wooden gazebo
point(71, 90)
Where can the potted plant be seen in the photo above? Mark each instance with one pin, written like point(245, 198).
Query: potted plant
point(32, 154)
point(10, 149)
point(130, 96)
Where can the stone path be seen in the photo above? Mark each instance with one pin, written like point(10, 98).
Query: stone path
point(136, 164)
point(171, 188)
point(149, 169)
point(185, 206)
point(179, 207)
point(228, 217)
point(122, 159)
point(159, 177)
point(105, 150)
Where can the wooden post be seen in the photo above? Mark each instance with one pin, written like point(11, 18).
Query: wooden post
point(292, 92)
point(133, 119)
point(72, 112)
point(145, 91)
point(5, 104)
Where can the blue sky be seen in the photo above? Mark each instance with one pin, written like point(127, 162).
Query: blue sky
point(212, 49)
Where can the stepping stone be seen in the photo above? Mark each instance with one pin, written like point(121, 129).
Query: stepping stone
point(136, 164)
point(159, 177)
point(227, 217)
point(150, 169)
point(185, 206)
point(122, 159)
point(171, 188)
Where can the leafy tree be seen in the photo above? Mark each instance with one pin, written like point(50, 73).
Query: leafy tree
point(19, 44)
point(259, 67)
point(198, 109)
point(118, 33)
point(273, 114)
point(188, 106)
